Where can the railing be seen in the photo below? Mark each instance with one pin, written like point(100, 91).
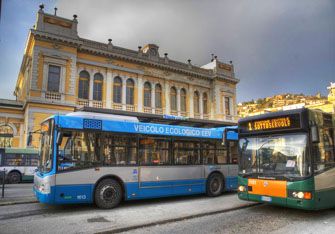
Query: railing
point(229, 117)
point(117, 106)
point(97, 104)
point(174, 112)
point(83, 102)
point(205, 116)
point(197, 115)
point(130, 107)
point(183, 113)
point(53, 96)
point(147, 109)
point(159, 111)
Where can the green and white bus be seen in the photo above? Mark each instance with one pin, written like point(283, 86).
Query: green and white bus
point(287, 159)
point(19, 164)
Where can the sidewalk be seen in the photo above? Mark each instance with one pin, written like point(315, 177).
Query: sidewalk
point(17, 194)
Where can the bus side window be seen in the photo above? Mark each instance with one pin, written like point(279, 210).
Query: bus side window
point(186, 152)
point(118, 150)
point(233, 151)
point(33, 160)
point(324, 151)
point(208, 153)
point(154, 151)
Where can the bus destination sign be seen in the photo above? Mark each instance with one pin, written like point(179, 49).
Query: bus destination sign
point(268, 124)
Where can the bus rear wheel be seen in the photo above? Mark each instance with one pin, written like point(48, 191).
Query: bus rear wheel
point(215, 185)
point(14, 177)
point(108, 194)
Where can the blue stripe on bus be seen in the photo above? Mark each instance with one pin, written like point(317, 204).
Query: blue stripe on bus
point(83, 193)
point(145, 128)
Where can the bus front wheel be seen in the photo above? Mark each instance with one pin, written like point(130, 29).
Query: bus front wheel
point(14, 177)
point(108, 194)
point(214, 185)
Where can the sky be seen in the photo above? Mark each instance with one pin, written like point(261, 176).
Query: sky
point(277, 46)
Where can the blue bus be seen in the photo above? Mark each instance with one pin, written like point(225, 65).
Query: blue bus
point(104, 159)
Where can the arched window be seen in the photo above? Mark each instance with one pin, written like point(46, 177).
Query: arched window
point(117, 90)
point(97, 87)
point(196, 102)
point(183, 100)
point(205, 106)
point(84, 84)
point(130, 92)
point(173, 99)
point(158, 96)
point(6, 136)
point(147, 94)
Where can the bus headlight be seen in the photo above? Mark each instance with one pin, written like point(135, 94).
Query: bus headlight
point(301, 195)
point(242, 188)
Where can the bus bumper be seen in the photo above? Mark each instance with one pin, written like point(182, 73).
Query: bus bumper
point(47, 198)
point(286, 202)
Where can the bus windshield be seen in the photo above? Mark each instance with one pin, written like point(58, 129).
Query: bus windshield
point(280, 156)
point(46, 146)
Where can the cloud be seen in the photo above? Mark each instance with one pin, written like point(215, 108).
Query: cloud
point(276, 46)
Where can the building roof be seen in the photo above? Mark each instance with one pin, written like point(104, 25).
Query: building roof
point(46, 29)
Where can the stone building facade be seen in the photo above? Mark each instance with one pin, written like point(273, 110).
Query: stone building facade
point(61, 71)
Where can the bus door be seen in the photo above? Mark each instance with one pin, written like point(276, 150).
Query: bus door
point(232, 159)
point(160, 175)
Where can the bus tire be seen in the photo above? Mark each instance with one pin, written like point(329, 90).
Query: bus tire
point(215, 185)
point(108, 194)
point(14, 177)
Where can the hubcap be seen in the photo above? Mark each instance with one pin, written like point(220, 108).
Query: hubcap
point(215, 185)
point(108, 193)
point(14, 178)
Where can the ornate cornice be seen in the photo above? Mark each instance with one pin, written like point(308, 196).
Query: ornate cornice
point(115, 52)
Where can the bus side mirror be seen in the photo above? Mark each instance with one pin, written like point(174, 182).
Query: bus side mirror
point(315, 134)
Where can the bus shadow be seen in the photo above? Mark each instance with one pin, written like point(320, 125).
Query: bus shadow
point(133, 203)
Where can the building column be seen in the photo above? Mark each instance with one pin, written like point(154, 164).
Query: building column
point(218, 102)
point(167, 97)
point(124, 89)
point(211, 104)
point(22, 145)
point(109, 90)
point(191, 102)
point(178, 101)
point(153, 98)
point(90, 95)
point(140, 94)
point(201, 105)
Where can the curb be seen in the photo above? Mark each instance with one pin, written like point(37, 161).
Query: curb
point(9, 203)
point(125, 229)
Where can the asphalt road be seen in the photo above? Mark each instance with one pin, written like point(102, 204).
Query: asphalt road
point(258, 219)
point(192, 214)
point(40, 218)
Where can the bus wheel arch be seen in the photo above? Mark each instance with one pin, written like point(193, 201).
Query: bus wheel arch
point(14, 177)
point(108, 184)
point(215, 184)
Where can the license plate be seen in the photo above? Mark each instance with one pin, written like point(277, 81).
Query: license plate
point(267, 199)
